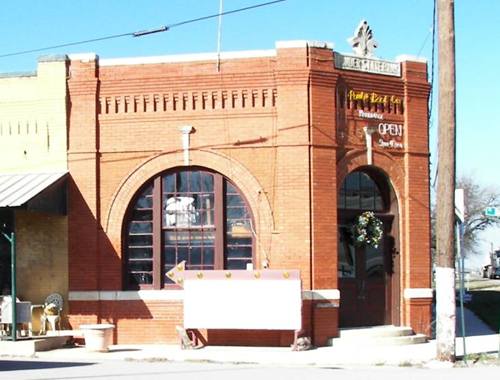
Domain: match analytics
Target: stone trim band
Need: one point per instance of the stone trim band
(410, 293)
(174, 295)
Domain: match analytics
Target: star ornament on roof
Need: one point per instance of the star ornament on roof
(362, 42)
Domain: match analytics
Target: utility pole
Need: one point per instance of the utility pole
(445, 217)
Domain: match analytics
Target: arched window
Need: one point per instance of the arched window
(193, 215)
(360, 192)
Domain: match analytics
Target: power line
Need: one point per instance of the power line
(142, 32)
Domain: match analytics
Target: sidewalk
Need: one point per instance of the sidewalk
(418, 354)
(479, 339)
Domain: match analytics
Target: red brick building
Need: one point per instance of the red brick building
(266, 162)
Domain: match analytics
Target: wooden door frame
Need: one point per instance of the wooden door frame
(391, 261)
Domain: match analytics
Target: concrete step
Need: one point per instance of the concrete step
(377, 336)
(375, 331)
(28, 347)
(69, 333)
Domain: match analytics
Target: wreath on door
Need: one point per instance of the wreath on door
(367, 230)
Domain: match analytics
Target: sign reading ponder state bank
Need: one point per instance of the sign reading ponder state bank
(367, 65)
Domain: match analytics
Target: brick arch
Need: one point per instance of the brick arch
(382, 161)
(233, 170)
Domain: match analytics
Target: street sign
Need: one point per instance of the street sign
(493, 212)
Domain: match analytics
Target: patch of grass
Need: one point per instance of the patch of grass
(478, 360)
(486, 305)
(405, 364)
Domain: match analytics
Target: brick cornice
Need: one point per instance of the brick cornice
(417, 89)
(111, 86)
(83, 87)
(324, 78)
(292, 77)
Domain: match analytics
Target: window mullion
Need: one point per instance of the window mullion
(219, 221)
(157, 232)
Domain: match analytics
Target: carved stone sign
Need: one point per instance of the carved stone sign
(367, 65)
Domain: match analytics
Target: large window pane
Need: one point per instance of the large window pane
(142, 215)
(367, 201)
(140, 240)
(195, 182)
(208, 256)
(207, 218)
(170, 255)
(207, 181)
(141, 265)
(140, 253)
(189, 225)
(195, 256)
(239, 252)
(234, 200)
(140, 278)
(236, 212)
(169, 183)
(145, 202)
(237, 264)
(182, 254)
(366, 183)
(140, 227)
(183, 182)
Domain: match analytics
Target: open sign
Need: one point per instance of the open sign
(390, 129)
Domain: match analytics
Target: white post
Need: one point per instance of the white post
(186, 130)
(368, 134)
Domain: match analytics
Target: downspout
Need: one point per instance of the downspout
(185, 131)
(311, 248)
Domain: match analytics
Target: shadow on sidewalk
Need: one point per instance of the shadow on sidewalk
(20, 365)
(474, 326)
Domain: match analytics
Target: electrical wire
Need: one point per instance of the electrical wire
(142, 32)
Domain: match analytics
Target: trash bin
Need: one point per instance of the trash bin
(98, 337)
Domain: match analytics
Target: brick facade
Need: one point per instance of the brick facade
(272, 122)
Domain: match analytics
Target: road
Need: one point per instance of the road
(46, 370)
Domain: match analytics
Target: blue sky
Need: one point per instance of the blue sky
(400, 27)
